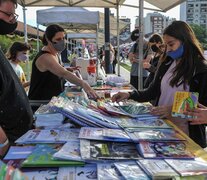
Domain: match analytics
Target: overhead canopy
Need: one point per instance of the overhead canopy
(161, 5)
(81, 36)
(165, 5)
(89, 37)
(113, 24)
(77, 19)
(78, 3)
(69, 18)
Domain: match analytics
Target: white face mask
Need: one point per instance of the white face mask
(23, 57)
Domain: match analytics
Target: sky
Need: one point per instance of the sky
(128, 12)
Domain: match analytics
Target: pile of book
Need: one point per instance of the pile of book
(103, 153)
(115, 141)
(101, 114)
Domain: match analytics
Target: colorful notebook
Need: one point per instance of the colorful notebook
(105, 150)
(163, 150)
(150, 134)
(42, 157)
(182, 101)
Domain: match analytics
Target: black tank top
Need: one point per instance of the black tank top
(44, 85)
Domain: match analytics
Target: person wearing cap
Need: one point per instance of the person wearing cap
(16, 116)
(133, 57)
(17, 53)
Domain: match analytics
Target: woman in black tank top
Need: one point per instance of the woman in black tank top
(47, 72)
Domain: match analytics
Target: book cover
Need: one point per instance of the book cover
(91, 133)
(66, 173)
(89, 171)
(108, 171)
(18, 175)
(146, 123)
(42, 157)
(169, 149)
(188, 167)
(182, 101)
(106, 121)
(17, 154)
(41, 173)
(146, 134)
(105, 150)
(104, 134)
(3, 169)
(134, 109)
(77, 119)
(131, 170)
(48, 120)
(116, 134)
(48, 136)
(110, 109)
(8, 172)
(147, 116)
(81, 115)
(69, 151)
(157, 168)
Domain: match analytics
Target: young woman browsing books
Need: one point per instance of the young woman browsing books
(183, 68)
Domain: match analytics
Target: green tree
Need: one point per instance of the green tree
(7, 40)
(201, 34)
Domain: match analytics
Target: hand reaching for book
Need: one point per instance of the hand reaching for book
(91, 93)
(120, 96)
(199, 115)
(162, 111)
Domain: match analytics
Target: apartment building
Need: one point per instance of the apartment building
(194, 12)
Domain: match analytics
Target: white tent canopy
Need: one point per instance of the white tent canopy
(77, 19)
(160, 5)
(90, 37)
(81, 36)
(69, 18)
(164, 5)
(77, 3)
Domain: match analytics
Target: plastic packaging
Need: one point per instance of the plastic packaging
(91, 69)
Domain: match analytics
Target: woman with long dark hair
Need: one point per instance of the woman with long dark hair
(183, 68)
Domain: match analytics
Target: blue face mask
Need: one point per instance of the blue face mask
(178, 53)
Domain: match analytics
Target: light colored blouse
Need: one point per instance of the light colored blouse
(167, 96)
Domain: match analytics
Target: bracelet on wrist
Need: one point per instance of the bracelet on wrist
(4, 144)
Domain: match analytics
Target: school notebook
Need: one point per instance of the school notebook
(183, 101)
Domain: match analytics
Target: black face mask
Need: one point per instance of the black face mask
(7, 28)
(154, 48)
